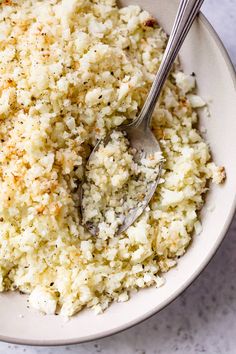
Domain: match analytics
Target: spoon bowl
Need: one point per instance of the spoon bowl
(144, 143)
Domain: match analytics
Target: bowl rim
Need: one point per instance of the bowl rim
(195, 275)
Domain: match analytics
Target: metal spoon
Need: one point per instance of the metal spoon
(139, 132)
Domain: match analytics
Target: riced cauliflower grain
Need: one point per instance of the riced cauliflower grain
(43, 300)
(70, 71)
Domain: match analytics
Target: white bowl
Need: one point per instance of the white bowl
(203, 54)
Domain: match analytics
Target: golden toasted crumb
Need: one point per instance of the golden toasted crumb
(150, 22)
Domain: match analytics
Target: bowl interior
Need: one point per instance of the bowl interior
(203, 54)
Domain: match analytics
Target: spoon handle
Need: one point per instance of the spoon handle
(187, 12)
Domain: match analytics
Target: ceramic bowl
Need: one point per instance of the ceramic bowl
(204, 54)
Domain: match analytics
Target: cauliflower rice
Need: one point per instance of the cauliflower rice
(69, 72)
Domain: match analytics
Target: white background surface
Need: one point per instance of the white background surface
(203, 319)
